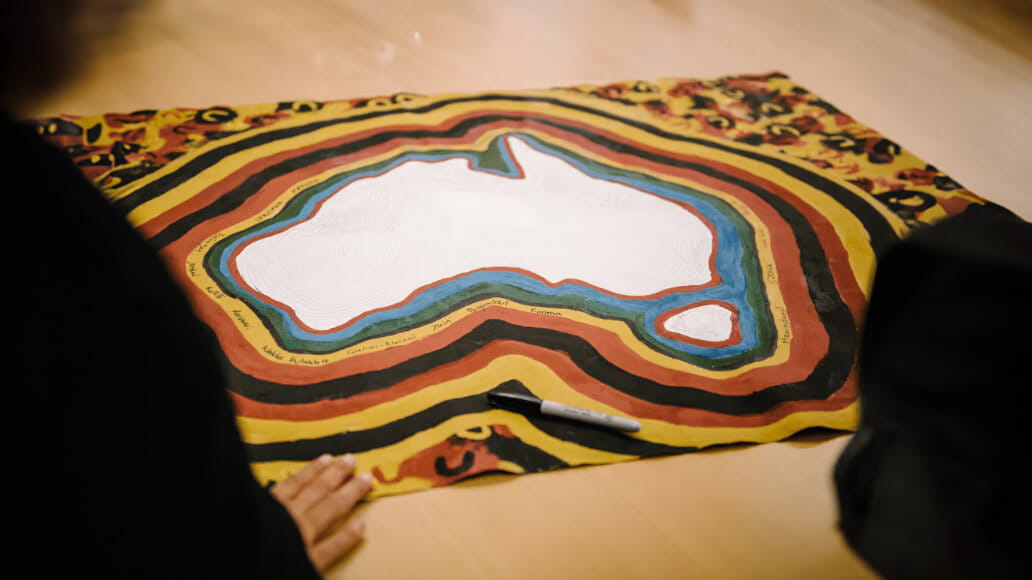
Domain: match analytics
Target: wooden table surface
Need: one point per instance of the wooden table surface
(948, 79)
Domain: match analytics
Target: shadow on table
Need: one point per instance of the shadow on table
(806, 438)
(1005, 23)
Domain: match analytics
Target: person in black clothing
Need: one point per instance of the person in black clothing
(933, 484)
(123, 456)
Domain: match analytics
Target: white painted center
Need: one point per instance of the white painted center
(376, 240)
(709, 322)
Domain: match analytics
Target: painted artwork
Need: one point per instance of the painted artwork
(694, 255)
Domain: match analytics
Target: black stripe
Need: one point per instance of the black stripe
(158, 187)
(826, 378)
(396, 431)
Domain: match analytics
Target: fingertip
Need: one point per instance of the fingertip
(365, 481)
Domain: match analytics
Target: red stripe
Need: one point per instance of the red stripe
(809, 342)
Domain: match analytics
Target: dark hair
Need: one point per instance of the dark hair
(42, 43)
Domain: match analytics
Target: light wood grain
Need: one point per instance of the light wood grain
(748, 512)
(948, 79)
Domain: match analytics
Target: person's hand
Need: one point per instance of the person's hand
(319, 497)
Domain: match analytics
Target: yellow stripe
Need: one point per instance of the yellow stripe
(388, 459)
(533, 373)
(861, 257)
(544, 383)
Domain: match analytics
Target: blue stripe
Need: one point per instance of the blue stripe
(728, 259)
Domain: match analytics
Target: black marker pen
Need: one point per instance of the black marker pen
(532, 404)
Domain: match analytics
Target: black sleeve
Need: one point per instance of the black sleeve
(933, 483)
(124, 459)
